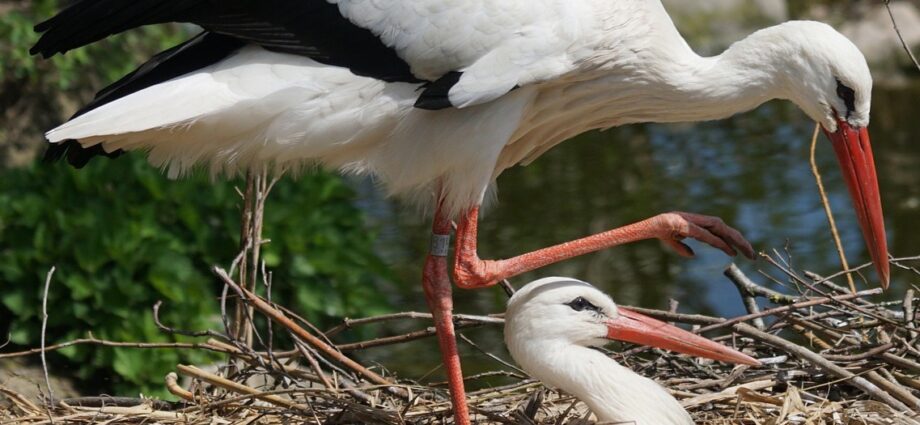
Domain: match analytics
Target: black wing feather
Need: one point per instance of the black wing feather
(312, 28)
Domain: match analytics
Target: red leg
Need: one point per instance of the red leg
(472, 272)
(437, 287)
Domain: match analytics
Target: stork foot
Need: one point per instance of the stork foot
(677, 226)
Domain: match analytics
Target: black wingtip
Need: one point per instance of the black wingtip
(77, 155)
(436, 94)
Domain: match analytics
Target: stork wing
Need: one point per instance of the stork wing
(470, 52)
(312, 28)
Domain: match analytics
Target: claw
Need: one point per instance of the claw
(709, 230)
(681, 248)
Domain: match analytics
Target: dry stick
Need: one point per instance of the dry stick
(44, 327)
(300, 332)
(101, 342)
(260, 194)
(901, 362)
(812, 286)
(693, 319)
(895, 261)
(20, 400)
(816, 359)
(744, 283)
(388, 340)
(827, 207)
(237, 387)
(238, 324)
(908, 380)
(457, 318)
(169, 330)
(820, 280)
(861, 356)
(490, 355)
(894, 389)
(894, 23)
(285, 368)
(172, 385)
(908, 306)
(807, 330)
(807, 303)
(741, 282)
(316, 368)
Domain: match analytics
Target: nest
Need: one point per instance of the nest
(831, 356)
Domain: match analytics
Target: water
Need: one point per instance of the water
(751, 170)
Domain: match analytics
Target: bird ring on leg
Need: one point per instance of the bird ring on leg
(439, 245)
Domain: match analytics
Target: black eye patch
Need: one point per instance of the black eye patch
(848, 96)
(581, 304)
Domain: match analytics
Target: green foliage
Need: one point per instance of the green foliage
(110, 58)
(122, 236)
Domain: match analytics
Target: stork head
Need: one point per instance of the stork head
(826, 75)
(558, 309)
(820, 70)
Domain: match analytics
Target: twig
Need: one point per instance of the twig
(300, 332)
(827, 207)
(861, 356)
(802, 304)
(694, 319)
(813, 287)
(172, 385)
(316, 368)
(745, 289)
(109, 401)
(734, 274)
(894, 389)
(101, 342)
(490, 355)
(457, 318)
(894, 23)
(816, 359)
(908, 307)
(44, 327)
(167, 329)
(21, 400)
(237, 387)
(238, 324)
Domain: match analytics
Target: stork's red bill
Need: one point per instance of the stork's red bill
(854, 152)
(630, 326)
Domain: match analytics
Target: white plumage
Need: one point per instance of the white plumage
(551, 325)
(551, 342)
(259, 108)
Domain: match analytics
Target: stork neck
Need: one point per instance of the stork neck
(709, 88)
(613, 392)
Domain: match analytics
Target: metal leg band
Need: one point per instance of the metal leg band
(439, 245)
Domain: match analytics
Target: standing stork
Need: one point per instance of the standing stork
(435, 98)
(550, 326)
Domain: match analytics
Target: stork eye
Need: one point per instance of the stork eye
(581, 304)
(848, 96)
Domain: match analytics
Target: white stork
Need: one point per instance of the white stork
(435, 98)
(550, 326)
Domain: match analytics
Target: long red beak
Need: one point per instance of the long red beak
(855, 156)
(640, 329)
